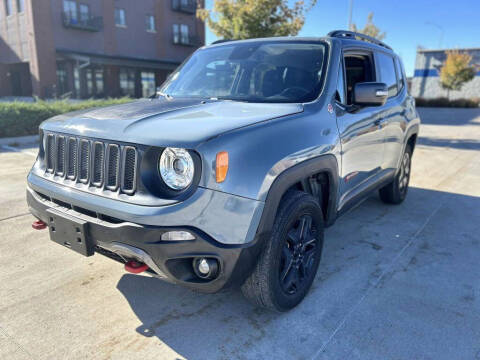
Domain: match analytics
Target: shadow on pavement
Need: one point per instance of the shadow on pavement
(358, 248)
(450, 143)
(449, 116)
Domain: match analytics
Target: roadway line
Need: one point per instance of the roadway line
(14, 216)
(12, 148)
(387, 270)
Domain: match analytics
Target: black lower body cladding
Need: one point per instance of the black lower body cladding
(173, 258)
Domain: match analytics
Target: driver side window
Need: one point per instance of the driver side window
(358, 68)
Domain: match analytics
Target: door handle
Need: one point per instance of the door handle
(379, 122)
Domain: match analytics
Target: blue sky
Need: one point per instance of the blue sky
(408, 23)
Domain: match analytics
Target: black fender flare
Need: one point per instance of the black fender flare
(412, 130)
(324, 163)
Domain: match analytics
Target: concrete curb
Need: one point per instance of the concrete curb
(20, 140)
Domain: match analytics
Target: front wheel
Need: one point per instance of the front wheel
(396, 191)
(289, 261)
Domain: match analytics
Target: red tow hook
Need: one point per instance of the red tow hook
(39, 225)
(135, 267)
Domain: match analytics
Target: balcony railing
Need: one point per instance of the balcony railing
(186, 6)
(187, 40)
(90, 23)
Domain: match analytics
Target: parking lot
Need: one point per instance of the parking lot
(395, 282)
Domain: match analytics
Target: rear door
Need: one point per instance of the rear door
(362, 140)
(392, 114)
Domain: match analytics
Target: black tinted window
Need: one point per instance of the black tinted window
(358, 69)
(386, 67)
(401, 75)
(340, 95)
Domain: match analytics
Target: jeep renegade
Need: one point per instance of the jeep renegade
(231, 173)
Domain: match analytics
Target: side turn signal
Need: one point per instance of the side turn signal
(221, 166)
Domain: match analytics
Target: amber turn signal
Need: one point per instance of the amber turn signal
(221, 166)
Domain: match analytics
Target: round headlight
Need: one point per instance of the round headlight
(176, 168)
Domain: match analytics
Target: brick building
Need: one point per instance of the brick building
(93, 48)
(426, 78)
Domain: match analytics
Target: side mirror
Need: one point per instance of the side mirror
(370, 94)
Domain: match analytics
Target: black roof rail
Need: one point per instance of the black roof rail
(357, 36)
(221, 41)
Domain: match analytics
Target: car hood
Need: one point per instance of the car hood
(164, 122)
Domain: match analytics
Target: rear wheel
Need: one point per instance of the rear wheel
(288, 264)
(396, 191)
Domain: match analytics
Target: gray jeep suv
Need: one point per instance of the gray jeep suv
(231, 173)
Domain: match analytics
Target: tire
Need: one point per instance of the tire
(396, 191)
(289, 261)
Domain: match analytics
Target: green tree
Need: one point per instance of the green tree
(370, 29)
(246, 19)
(456, 71)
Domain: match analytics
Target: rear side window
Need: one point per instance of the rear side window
(386, 67)
(400, 74)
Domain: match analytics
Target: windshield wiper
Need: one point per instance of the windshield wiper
(166, 96)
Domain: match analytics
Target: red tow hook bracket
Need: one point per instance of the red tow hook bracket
(135, 267)
(39, 225)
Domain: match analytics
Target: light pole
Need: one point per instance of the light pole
(350, 8)
(442, 32)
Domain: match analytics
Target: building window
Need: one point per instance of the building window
(148, 84)
(76, 81)
(127, 82)
(176, 34)
(8, 7)
(188, 6)
(21, 5)
(62, 80)
(184, 38)
(99, 81)
(84, 12)
(150, 23)
(89, 80)
(70, 10)
(181, 34)
(120, 18)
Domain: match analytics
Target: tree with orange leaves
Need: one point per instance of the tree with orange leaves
(246, 19)
(456, 71)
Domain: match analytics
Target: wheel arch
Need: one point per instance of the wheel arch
(324, 169)
(411, 136)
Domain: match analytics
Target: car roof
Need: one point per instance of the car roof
(347, 38)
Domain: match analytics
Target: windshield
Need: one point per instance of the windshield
(254, 71)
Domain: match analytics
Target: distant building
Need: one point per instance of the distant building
(426, 78)
(94, 48)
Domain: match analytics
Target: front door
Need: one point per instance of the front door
(361, 135)
(16, 83)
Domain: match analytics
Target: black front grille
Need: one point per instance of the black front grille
(50, 153)
(113, 165)
(98, 163)
(84, 168)
(60, 168)
(72, 158)
(129, 167)
(93, 163)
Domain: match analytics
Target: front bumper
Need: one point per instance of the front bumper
(172, 259)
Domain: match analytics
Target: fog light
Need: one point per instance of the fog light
(205, 268)
(177, 236)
